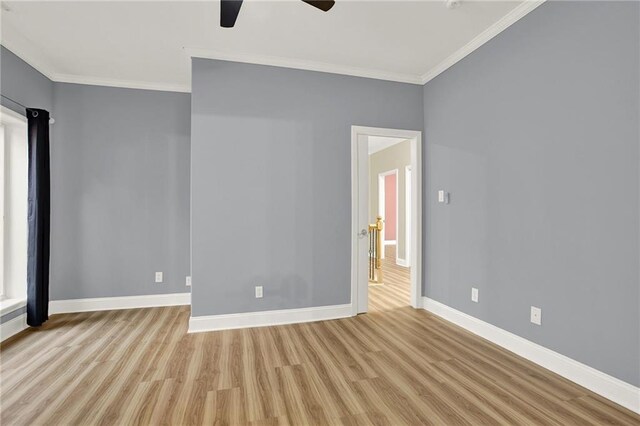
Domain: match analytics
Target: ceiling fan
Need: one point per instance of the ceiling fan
(229, 9)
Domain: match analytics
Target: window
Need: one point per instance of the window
(13, 208)
(2, 185)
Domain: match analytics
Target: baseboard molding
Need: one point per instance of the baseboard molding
(114, 303)
(267, 318)
(601, 383)
(13, 327)
(402, 262)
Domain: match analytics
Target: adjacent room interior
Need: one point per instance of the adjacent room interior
(390, 215)
(320, 212)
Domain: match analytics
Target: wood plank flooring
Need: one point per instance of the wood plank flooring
(396, 289)
(394, 367)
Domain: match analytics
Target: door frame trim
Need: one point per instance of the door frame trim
(407, 211)
(416, 209)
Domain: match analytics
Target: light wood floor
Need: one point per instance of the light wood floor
(395, 291)
(395, 367)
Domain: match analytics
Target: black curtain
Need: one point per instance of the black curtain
(39, 208)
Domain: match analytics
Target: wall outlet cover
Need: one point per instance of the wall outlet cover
(258, 291)
(474, 294)
(159, 277)
(536, 315)
(188, 281)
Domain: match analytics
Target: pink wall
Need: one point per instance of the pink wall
(391, 219)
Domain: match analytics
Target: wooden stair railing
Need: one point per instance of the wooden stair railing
(375, 251)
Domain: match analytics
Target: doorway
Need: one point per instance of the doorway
(411, 206)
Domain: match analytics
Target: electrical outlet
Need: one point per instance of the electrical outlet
(158, 277)
(536, 315)
(474, 294)
(258, 291)
(188, 281)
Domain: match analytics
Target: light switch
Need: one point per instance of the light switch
(443, 197)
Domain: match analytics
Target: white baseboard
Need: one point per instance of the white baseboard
(601, 383)
(114, 303)
(390, 242)
(267, 318)
(13, 326)
(402, 262)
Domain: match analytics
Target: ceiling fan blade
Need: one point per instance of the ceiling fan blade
(229, 10)
(323, 5)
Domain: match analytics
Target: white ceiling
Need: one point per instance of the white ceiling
(378, 143)
(147, 44)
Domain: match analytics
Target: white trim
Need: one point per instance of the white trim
(34, 61)
(517, 13)
(302, 64)
(402, 262)
(127, 84)
(390, 243)
(415, 137)
(505, 22)
(407, 219)
(3, 239)
(268, 318)
(382, 208)
(13, 327)
(10, 305)
(18, 119)
(603, 384)
(15, 209)
(502, 24)
(46, 69)
(114, 303)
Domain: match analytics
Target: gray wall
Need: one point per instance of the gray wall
(120, 184)
(536, 136)
(271, 183)
(120, 191)
(22, 83)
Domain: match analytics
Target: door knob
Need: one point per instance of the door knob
(363, 233)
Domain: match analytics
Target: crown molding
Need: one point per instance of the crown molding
(299, 64)
(43, 67)
(505, 22)
(495, 29)
(126, 84)
(517, 13)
